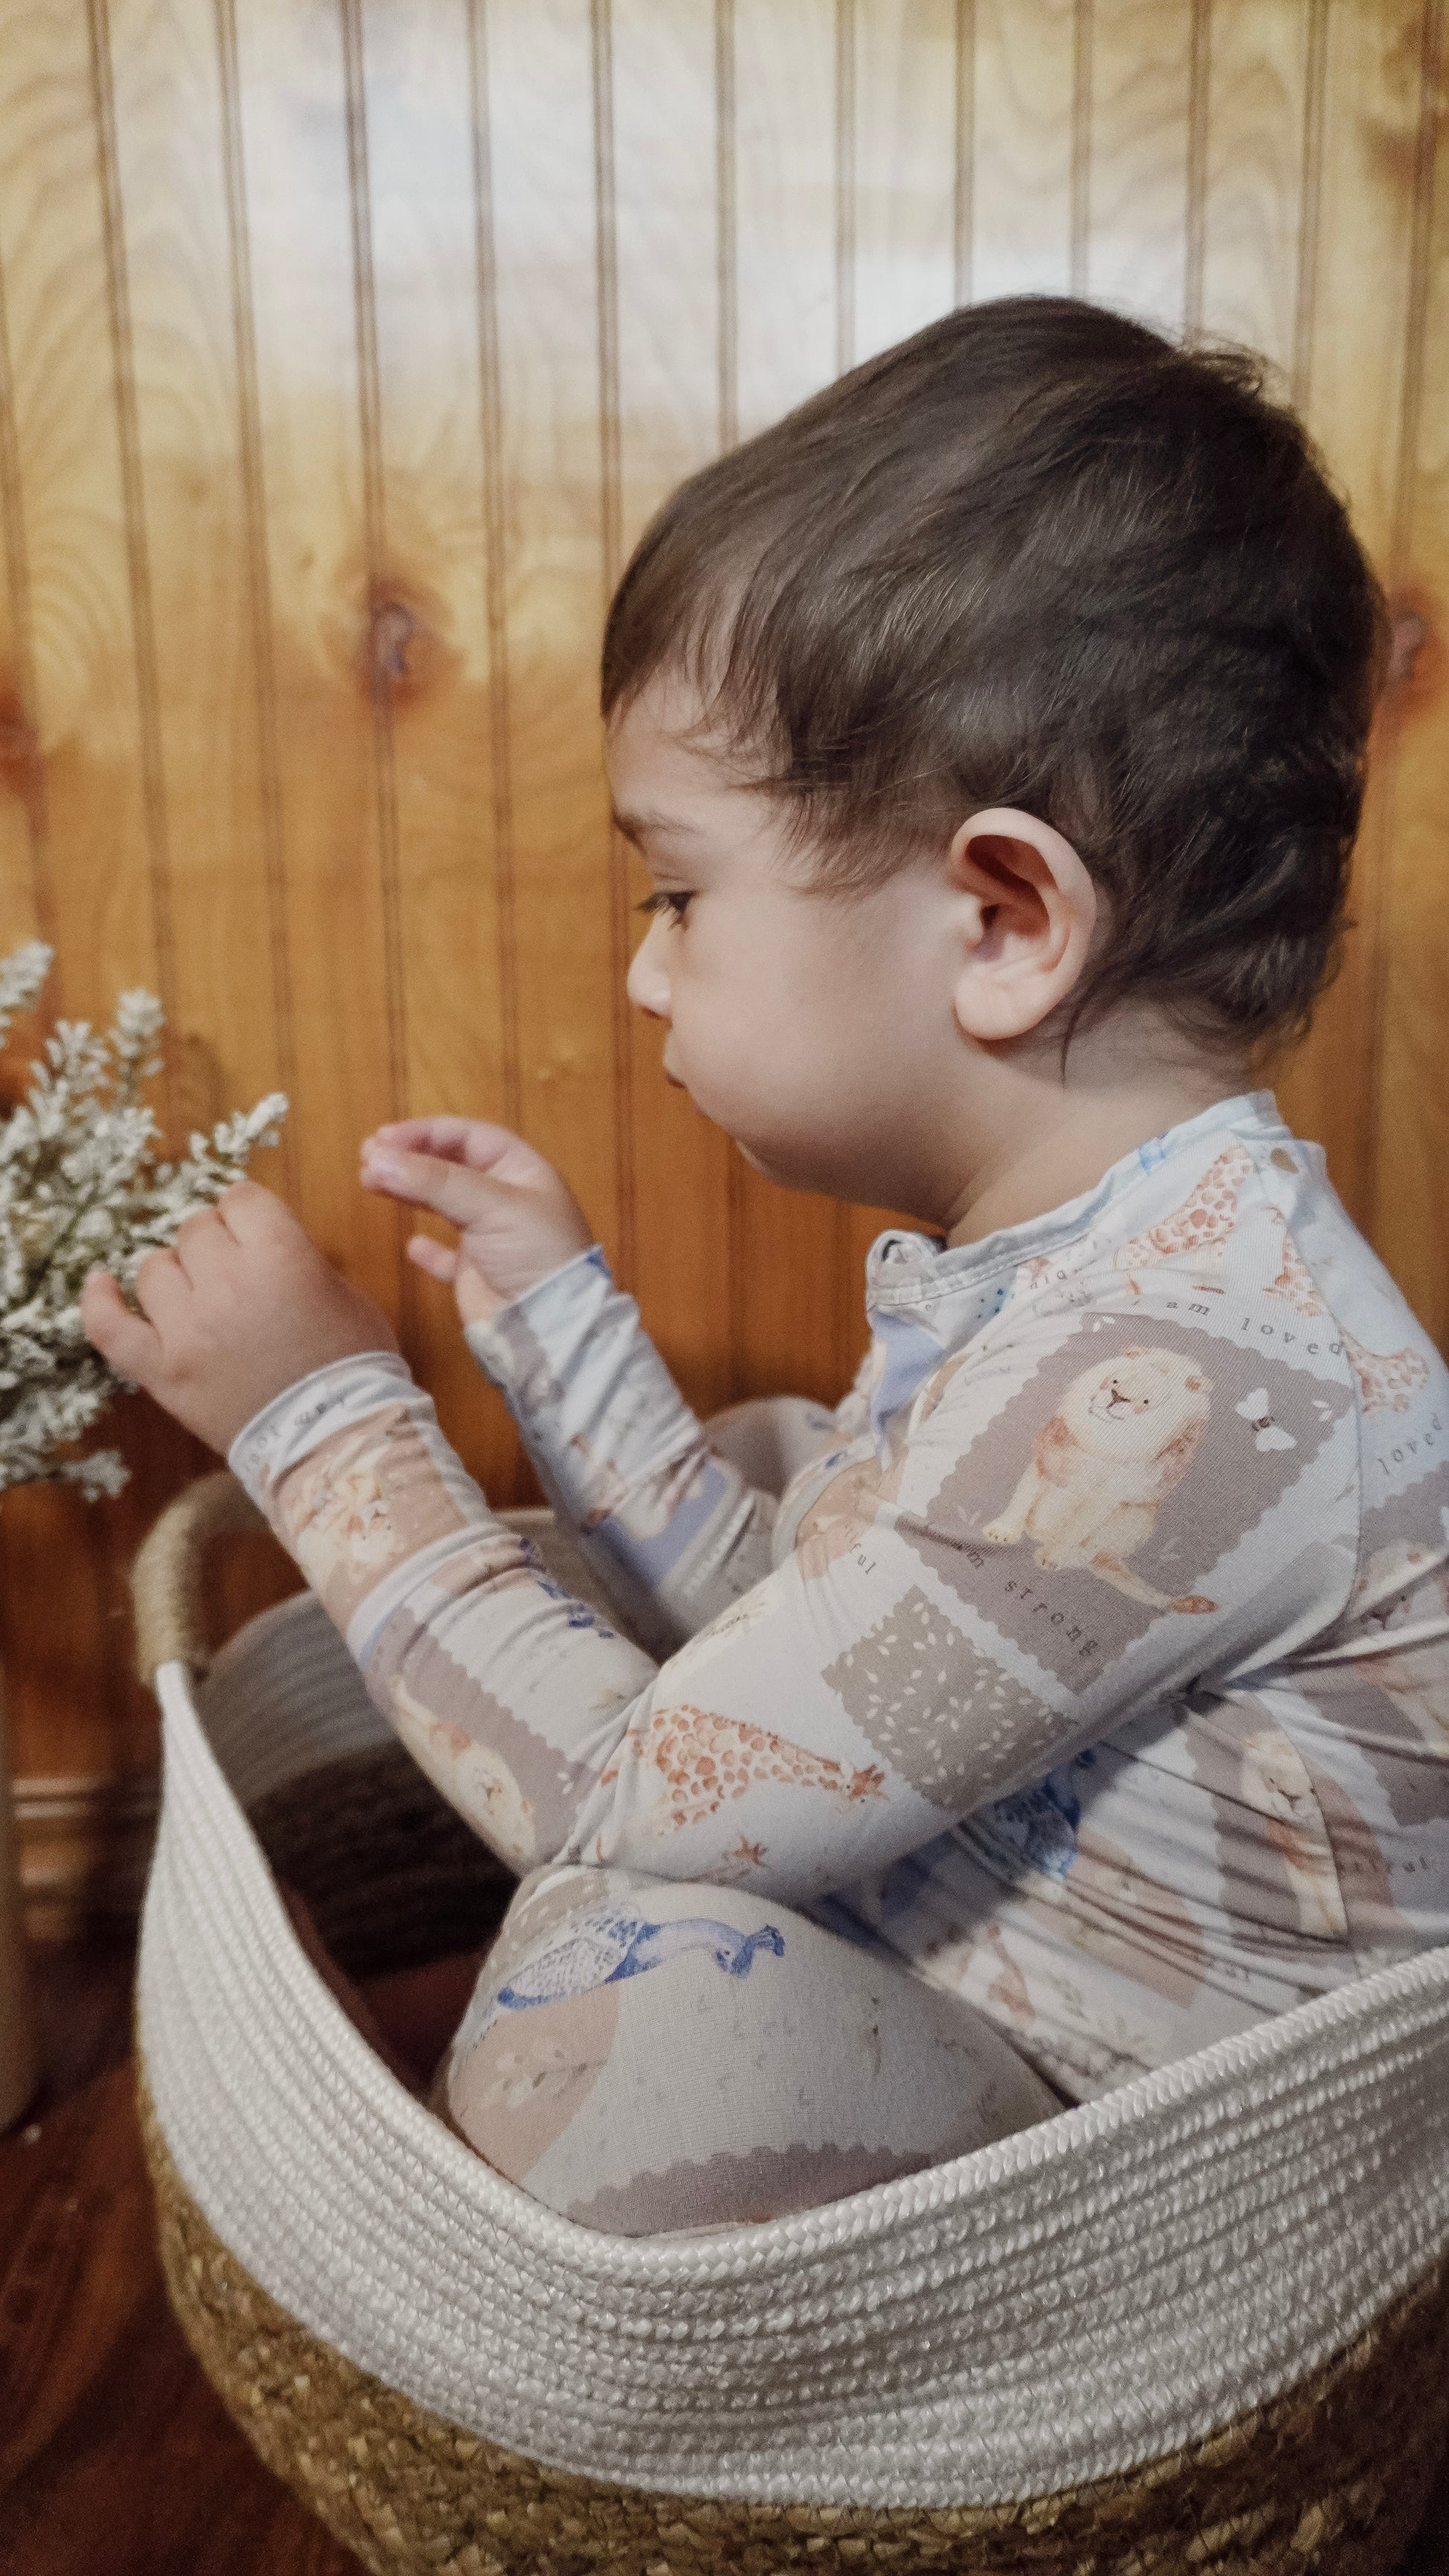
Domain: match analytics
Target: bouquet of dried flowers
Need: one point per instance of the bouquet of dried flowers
(81, 1185)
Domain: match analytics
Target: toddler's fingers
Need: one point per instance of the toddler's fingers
(127, 1341)
(474, 1141)
(432, 1181)
(251, 1214)
(197, 1240)
(435, 1258)
(162, 1287)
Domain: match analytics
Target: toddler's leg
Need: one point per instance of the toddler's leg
(644, 2055)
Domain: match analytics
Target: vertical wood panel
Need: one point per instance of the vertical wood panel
(1305, 282)
(1357, 333)
(1140, 125)
(383, 650)
(787, 104)
(76, 537)
(139, 586)
(1407, 1205)
(25, 899)
(185, 405)
(70, 515)
(670, 229)
(1022, 194)
(905, 168)
(314, 472)
(344, 351)
(785, 134)
(432, 672)
(1254, 178)
(541, 122)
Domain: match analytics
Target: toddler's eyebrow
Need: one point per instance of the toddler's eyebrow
(635, 825)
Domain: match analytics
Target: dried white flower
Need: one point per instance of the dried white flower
(80, 1185)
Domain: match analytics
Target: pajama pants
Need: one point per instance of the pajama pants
(648, 2056)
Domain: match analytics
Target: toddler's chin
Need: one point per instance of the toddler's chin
(788, 1171)
(792, 1162)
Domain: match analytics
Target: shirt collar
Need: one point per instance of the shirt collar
(907, 1271)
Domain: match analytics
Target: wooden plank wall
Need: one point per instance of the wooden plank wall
(344, 350)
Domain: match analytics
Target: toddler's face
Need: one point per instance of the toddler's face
(810, 1026)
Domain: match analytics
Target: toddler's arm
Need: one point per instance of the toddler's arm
(675, 1518)
(955, 1618)
(554, 1735)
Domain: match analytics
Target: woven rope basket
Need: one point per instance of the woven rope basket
(1200, 2324)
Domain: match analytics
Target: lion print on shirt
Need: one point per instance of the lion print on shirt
(1274, 1782)
(362, 1503)
(1126, 1434)
(472, 1775)
(843, 1511)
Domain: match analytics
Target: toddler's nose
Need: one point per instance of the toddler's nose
(648, 981)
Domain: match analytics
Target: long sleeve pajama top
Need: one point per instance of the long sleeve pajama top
(1096, 1660)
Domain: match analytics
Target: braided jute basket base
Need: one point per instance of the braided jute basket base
(1330, 2479)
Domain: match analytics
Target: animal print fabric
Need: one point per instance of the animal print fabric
(1090, 1660)
(650, 2057)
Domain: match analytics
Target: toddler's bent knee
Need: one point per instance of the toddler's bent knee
(644, 2056)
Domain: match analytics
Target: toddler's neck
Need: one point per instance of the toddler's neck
(1049, 1136)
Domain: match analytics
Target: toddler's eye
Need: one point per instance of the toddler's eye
(677, 905)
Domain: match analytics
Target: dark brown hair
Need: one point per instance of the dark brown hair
(1038, 556)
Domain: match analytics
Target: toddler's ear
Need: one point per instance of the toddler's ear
(1029, 910)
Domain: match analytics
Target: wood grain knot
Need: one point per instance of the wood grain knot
(1407, 637)
(1416, 662)
(391, 631)
(20, 765)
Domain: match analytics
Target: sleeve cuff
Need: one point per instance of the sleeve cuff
(530, 1346)
(308, 1412)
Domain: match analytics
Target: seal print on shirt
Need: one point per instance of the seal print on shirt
(517, 1791)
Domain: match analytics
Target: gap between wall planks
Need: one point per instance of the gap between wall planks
(345, 351)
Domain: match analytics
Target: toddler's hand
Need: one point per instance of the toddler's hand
(242, 1308)
(516, 1219)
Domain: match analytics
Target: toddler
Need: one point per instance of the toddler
(1076, 1693)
